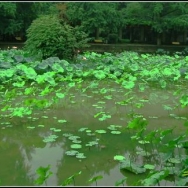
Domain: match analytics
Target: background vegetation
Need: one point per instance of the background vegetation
(48, 37)
(143, 22)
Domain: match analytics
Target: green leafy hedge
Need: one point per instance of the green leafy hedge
(47, 37)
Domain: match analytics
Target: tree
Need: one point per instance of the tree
(95, 17)
(160, 16)
(16, 17)
(49, 36)
(7, 21)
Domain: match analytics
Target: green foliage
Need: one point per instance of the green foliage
(17, 16)
(120, 182)
(95, 179)
(44, 174)
(154, 178)
(137, 69)
(48, 37)
(112, 38)
(71, 179)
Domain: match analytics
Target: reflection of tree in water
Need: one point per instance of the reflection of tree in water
(15, 147)
(13, 171)
(98, 161)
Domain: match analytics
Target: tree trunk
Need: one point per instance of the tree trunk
(185, 37)
(164, 37)
(142, 34)
(131, 34)
(120, 33)
(158, 39)
(97, 32)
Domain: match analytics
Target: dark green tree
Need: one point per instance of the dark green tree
(95, 17)
(49, 36)
(8, 23)
(160, 16)
(17, 17)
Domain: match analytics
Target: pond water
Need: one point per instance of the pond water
(23, 148)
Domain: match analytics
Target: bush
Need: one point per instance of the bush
(47, 37)
(161, 51)
(112, 38)
(185, 51)
(122, 41)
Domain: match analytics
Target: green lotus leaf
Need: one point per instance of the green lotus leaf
(62, 121)
(82, 129)
(60, 95)
(71, 152)
(116, 132)
(174, 160)
(80, 156)
(67, 134)
(100, 131)
(119, 157)
(73, 137)
(149, 166)
(76, 146)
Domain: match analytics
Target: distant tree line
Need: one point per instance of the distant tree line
(109, 22)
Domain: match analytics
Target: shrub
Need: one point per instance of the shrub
(112, 38)
(124, 41)
(47, 37)
(161, 51)
(185, 51)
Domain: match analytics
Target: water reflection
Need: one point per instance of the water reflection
(23, 150)
(43, 157)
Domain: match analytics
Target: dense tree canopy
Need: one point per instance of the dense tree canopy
(16, 17)
(101, 19)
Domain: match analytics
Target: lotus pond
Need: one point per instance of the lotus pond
(106, 119)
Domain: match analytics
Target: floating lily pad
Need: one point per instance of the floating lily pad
(82, 129)
(30, 127)
(62, 121)
(73, 137)
(91, 134)
(55, 130)
(116, 132)
(76, 146)
(40, 125)
(67, 134)
(100, 131)
(80, 156)
(92, 143)
(88, 131)
(9, 125)
(119, 157)
(71, 152)
(76, 141)
(112, 127)
(50, 138)
(108, 97)
(104, 117)
(60, 95)
(101, 102)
